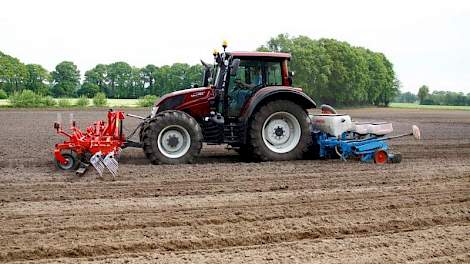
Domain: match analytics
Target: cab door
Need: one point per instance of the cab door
(252, 75)
(249, 78)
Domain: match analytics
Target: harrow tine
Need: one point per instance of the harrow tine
(97, 162)
(112, 164)
(82, 169)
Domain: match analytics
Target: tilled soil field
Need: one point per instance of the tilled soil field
(223, 210)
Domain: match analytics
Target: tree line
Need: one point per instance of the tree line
(116, 80)
(425, 97)
(328, 70)
(334, 72)
(120, 80)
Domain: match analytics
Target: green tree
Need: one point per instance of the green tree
(38, 79)
(406, 97)
(194, 74)
(423, 92)
(66, 79)
(88, 89)
(98, 77)
(149, 74)
(119, 76)
(137, 83)
(178, 78)
(337, 73)
(281, 43)
(390, 84)
(446, 98)
(162, 80)
(3, 94)
(13, 74)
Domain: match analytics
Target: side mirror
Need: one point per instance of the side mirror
(234, 67)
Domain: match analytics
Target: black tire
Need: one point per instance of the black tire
(73, 161)
(396, 158)
(155, 152)
(313, 151)
(245, 152)
(259, 147)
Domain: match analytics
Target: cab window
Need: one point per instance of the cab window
(274, 74)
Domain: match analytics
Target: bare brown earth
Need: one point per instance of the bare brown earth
(223, 210)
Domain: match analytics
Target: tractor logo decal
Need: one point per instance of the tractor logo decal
(197, 94)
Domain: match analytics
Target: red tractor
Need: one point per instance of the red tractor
(246, 101)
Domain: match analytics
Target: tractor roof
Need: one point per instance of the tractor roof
(260, 54)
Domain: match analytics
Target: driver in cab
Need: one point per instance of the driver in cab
(243, 90)
(257, 80)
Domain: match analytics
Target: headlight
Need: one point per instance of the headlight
(154, 111)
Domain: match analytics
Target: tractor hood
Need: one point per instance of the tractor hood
(180, 99)
(183, 92)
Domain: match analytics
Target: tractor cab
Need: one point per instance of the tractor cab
(238, 76)
(255, 71)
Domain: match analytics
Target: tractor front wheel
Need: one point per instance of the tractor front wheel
(280, 131)
(172, 137)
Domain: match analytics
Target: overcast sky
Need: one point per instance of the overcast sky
(427, 41)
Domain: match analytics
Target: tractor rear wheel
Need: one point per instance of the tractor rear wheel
(172, 137)
(280, 131)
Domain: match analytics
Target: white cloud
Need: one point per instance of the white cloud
(427, 41)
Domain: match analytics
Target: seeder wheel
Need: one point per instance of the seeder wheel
(380, 157)
(395, 158)
(72, 161)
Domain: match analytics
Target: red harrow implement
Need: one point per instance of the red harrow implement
(99, 145)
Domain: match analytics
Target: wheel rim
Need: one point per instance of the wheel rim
(281, 132)
(380, 157)
(174, 141)
(68, 165)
